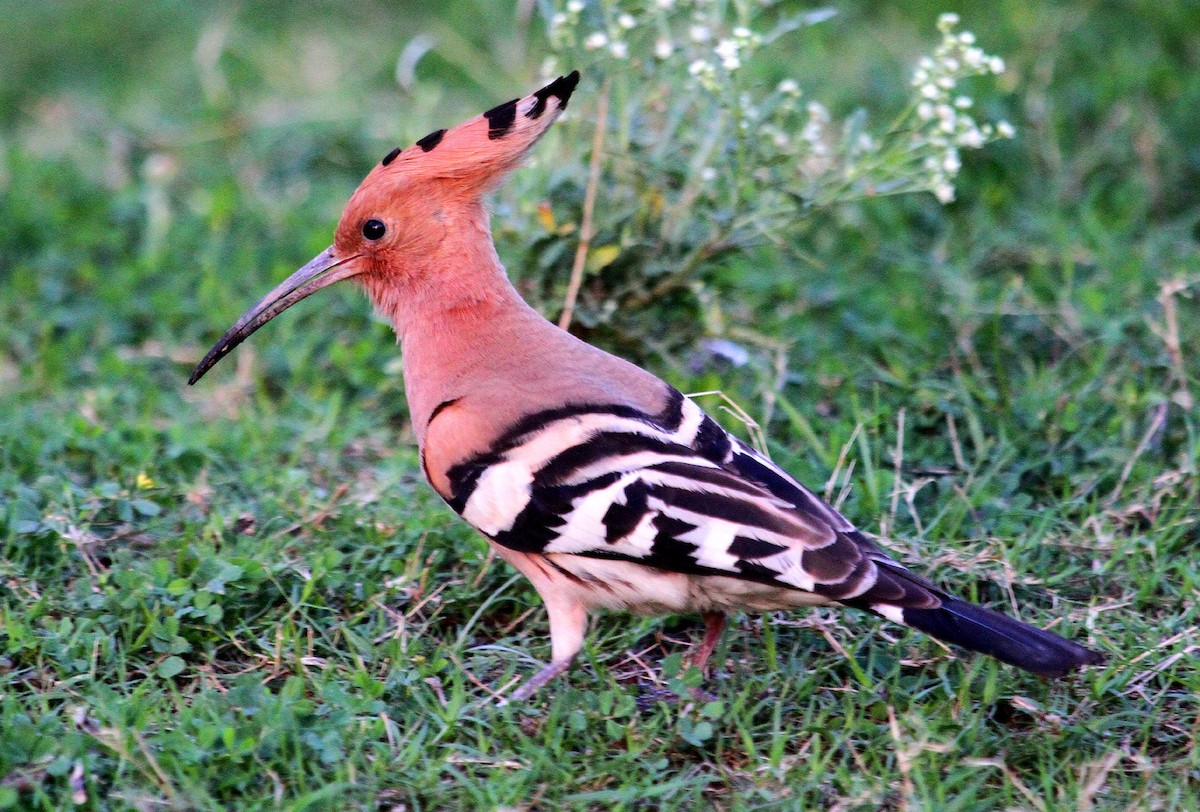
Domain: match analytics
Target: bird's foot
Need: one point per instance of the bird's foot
(531, 686)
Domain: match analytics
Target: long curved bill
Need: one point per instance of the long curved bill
(321, 271)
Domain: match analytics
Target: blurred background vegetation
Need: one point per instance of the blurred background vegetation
(239, 595)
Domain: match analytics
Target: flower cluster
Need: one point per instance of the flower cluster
(944, 120)
(706, 44)
(713, 162)
(698, 33)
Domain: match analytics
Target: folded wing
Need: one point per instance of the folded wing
(676, 492)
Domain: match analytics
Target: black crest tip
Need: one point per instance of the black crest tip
(561, 89)
(391, 156)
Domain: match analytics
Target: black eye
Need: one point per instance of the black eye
(374, 229)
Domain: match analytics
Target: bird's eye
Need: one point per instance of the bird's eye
(374, 229)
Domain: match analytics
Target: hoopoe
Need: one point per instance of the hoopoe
(603, 485)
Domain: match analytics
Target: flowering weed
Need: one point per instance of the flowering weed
(700, 160)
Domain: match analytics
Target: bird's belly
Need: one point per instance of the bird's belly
(601, 583)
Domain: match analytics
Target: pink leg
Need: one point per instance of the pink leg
(568, 622)
(714, 624)
(568, 619)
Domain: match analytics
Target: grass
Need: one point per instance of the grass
(242, 595)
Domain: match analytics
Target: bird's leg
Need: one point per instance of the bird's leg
(568, 623)
(714, 624)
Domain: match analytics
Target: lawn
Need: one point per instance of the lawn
(242, 594)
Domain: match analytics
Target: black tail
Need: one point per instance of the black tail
(1011, 641)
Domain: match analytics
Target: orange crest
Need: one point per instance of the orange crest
(478, 153)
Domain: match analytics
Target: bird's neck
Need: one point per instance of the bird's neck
(456, 316)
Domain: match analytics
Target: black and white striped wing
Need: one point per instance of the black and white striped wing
(672, 491)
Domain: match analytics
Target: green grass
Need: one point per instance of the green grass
(241, 595)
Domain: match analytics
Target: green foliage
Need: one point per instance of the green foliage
(242, 595)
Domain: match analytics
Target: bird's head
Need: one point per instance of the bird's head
(409, 203)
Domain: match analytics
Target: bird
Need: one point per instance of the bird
(603, 485)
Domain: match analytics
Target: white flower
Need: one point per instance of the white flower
(966, 38)
(930, 91)
(626, 21)
(619, 49)
(943, 191)
(1005, 130)
(814, 130)
(951, 162)
(789, 87)
(947, 21)
(698, 67)
(700, 33)
(663, 48)
(742, 32)
(558, 20)
(945, 82)
(708, 174)
(971, 138)
(924, 111)
(996, 65)
(575, 6)
(974, 57)
(595, 41)
(726, 48)
(665, 4)
(963, 103)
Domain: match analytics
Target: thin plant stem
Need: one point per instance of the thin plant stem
(589, 206)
